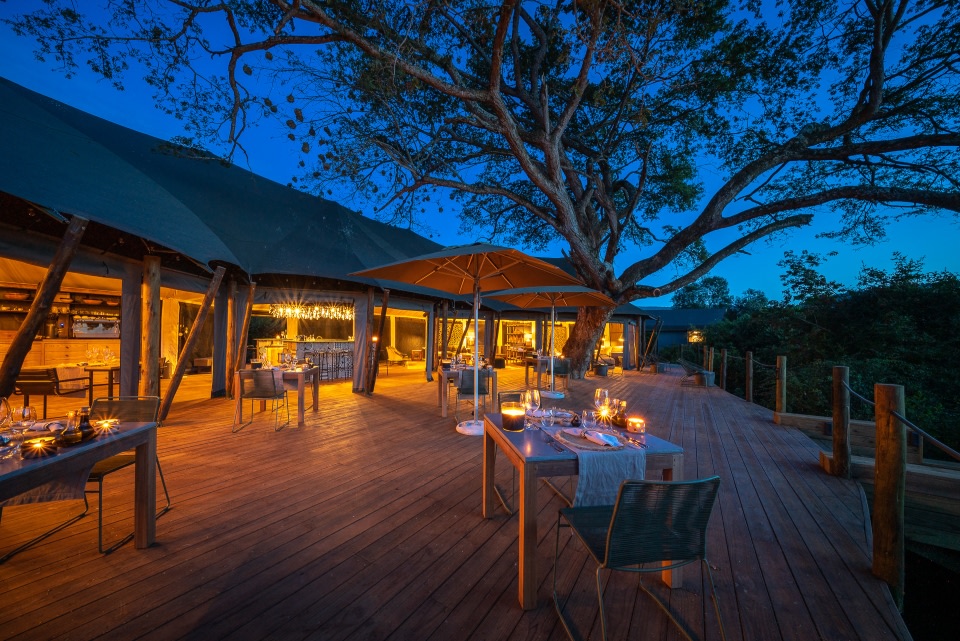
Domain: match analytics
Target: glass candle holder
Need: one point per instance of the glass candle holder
(513, 415)
(636, 424)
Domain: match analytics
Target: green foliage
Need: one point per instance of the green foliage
(708, 292)
(899, 327)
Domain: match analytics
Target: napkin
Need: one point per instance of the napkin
(595, 437)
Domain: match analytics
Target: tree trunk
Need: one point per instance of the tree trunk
(586, 332)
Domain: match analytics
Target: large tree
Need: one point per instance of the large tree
(590, 121)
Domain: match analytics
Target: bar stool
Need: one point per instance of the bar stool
(345, 364)
(325, 360)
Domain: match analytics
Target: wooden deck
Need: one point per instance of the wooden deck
(365, 524)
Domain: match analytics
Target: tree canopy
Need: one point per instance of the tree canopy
(686, 129)
(708, 292)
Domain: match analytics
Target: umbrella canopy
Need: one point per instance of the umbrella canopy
(552, 297)
(462, 269)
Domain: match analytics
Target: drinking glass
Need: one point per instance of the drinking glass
(28, 416)
(546, 417)
(601, 397)
(531, 403)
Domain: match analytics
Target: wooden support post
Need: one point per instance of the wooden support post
(781, 398)
(42, 303)
(150, 327)
(191, 342)
(841, 422)
(723, 368)
(376, 352)
(241, 358)
(710, 360)
(231, 338)
(706, 364)
(445, 307)
(889, 485)
(748, 383)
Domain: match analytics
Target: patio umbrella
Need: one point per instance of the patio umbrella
(562, 296)
(462, 269)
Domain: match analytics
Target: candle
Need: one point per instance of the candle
(636, 424)
(512, 414)
(38, 448)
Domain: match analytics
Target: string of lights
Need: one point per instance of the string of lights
(336, 310)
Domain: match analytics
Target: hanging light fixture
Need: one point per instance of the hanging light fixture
(334, 310)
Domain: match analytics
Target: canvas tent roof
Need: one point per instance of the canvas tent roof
(78, 164)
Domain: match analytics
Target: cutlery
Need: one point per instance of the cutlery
(552, 442)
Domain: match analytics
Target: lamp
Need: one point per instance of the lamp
(335, 310)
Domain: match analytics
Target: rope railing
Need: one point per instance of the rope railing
(847, 387)
(943, 447)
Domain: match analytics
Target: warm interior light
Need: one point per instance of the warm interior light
(336, 310)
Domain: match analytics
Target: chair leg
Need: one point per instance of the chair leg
(567, 624)
(239, 425)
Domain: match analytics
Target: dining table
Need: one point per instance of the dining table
(540, 365)
(19, 476)
(452, 375)
(112, 371)
(297, 379)
(536, 457)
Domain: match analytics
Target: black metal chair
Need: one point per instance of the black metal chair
(561, 371)
(261, 385)
(465, 388)
(653, 522)
(142, 409)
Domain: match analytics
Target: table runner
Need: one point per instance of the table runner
(602, 472)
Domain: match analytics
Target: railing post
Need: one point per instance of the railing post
(748, 384)
(710, 367)
(889, 487)
(706, 366)
(723, 368)
(841, 422)
(781, 400)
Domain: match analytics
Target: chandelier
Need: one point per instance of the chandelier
(335, 310)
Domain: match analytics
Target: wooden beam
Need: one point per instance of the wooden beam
(241, 358)
(42, 303)
(375, 369)
(150, 327)
(191, 342)
(231, 338)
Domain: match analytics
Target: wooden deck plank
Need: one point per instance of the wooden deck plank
(365, 523)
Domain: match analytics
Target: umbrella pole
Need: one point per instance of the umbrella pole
(474, 427)
(553, 322)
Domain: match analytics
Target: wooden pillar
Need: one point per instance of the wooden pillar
(444, 337)
(375, 358)
(710, 360)
(42, 303)
(191, 342)
(890, 476)
(841, 422)
(748, 383)
(131, 313)
(781, 399)
(241, 357)
(150, 328)
(230, 354)
(723, 368)
(429, 353)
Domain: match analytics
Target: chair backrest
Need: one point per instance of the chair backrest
(660, 521)
(259, 383)
(37, 381)
(136, 409)
(561, 367)
(509, 397)
(466, 382)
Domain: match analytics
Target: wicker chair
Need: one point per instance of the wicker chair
(261, 385)
(143, 409)
(652, 522)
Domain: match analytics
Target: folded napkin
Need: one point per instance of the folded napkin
(594, 436)
(45, 427)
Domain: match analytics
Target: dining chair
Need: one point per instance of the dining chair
(561, 371)
(465, 388)
(654, 526)
(261, 385)
(140, 409)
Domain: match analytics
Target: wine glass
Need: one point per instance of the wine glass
(601, 397)
(531, 403)
(28, 416)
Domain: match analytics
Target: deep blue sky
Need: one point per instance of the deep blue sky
(932, 239)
